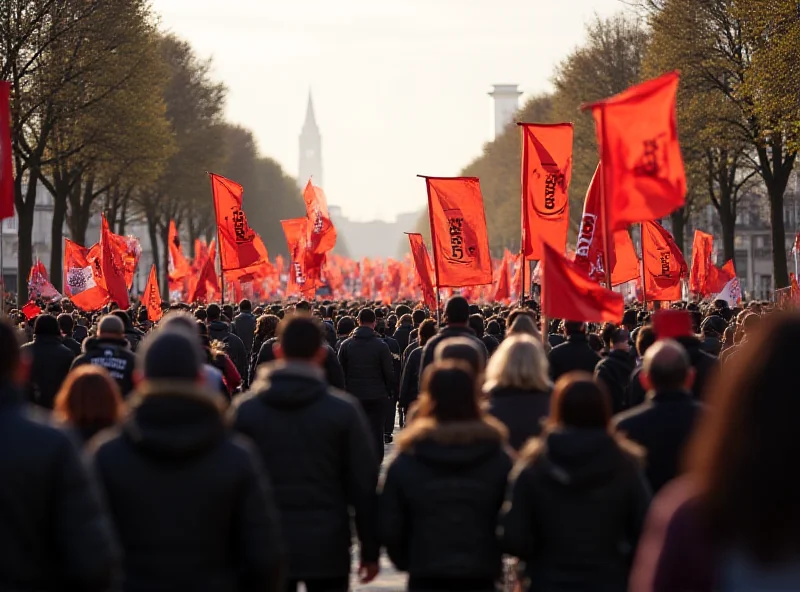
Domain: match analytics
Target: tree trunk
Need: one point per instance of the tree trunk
(57, 240)
(123, 215)
(24, 237)
(727, 218)
(152, 231)
(82, 211)
(679, 228)
(165, 261)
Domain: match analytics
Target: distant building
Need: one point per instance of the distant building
(310, 145)
(506, 104)
(373, 239)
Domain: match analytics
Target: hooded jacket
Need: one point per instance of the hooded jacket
(51, 361)
(578, 504)
(440, 499)
(447, 333)
(615, 372)
(367, 364)
(234, 347)
(244, 325)
(174, 468)
(114, 355)
(53, 534)
(333, 370)
(573, 354)
(316, 446)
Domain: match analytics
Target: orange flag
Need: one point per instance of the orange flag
(422, 264)
(295, 231)
(6, 170)
(503, 291)
(702, 246)
(591, 245)
(113, 265)
(152, 296)
(179, 267)
(458, 232)
(638, 137)
(321, 232)
(82, 283)
(569, 294)
(664, 265)
(239, 245)
(546, 172)
(199, 288)
(720, 276)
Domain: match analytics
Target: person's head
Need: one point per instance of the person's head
(111, 327)
(141, 315)
(449, 393)
(521, 363)
(124, 317)
(524, 325)
(644, 339)
(595, 342)
(245, 305)
(66, 323)
(518, 312)
(461, 349)
(13, 368)
(171, 353)
(426, 330)
(213, 312)
(266, 325)
(713, 326)
(574, 328)
(493, 328)
(418, 316)
(406, 320)
(666, 367)
(366, 318)
(89, 398)
(345, 326)
(456, 311)
(629, 319)
(401, 311)
(300, 338)
(620, 339)
(303, 307)
(743, 453)
(579, 402)
(476, 323)
(201, 314)
(45, 325)
(606, 332)
(750, 323)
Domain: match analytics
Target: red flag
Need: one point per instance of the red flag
(152, 296)
(591, 243)
(179, 267)
(546, 172)
(30, 310)
(207, 277)
(458, 232)
(321, 232)
(83, 281)
(569, 294)
(111, 261)
(39, 285)
(503, 291)
(638, 137)
(720, 276)
(6, 169)
(519, 262)
(702, 246)
(239, 245)
(422, 264)
(664, 265)
(295, 231)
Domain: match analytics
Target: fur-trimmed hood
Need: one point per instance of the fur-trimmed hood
(175, 419)
(454, 443)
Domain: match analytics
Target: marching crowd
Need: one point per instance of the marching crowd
(230, 448)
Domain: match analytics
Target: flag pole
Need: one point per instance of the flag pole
(3, 277)
(604, 198)
(219, 243)
(523, 214)
(641, 266)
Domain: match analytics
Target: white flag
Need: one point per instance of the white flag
(731, 293)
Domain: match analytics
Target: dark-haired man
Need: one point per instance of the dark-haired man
(616, 368)
(574, 354)
(67, 325)
(456, 318)
(369, 373)
(218, 330)
(50, 361)
(314, 441)
(110, 350)
(244, 325)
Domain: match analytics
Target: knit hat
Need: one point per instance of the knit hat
(170, 355)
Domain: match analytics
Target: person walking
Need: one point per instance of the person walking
(409, 382)
(456, 318)
(615, 369)
(441, 495)
(369, 374)
(89, 401)
(50, 361)
(316, 446)
(218, 330)
(244, 325)
(110, 350)
(578, 497)
(574, 354)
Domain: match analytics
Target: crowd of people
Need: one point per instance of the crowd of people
(229, 448)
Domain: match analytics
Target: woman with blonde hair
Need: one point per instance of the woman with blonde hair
(518, 386)
(89, 401)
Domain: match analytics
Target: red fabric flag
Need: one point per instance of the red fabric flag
(519, 262)
(31, 310)
(39, 285)
(295, 231)
(179, 267)
(239, 245)
(503, 291)
(207, 278)
(569, 294)
(458, 231)
(720, 276)
(664, 265)
(546, 172)
(321, 232)
(702, 246)
(113, 265)
(6, 169)
(152, 296)
(422, 265)
(591, 244)
(83, 281)
(638, 137)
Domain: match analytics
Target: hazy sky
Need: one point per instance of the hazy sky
(400, 86)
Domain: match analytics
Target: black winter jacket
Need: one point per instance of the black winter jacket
(112, 354)
(521, 411)
(317, 448)
(394, 349)
(72, 345)
(662, 426)
(573, 354)
(440, 499)
(333, 370)
(192, 505)
(578, 504)
(367, 364)
(244, 325)
(134, 337)
(615, 372)
(51, 361)
(234, 347)
(401, 335)
(53, 533)
(704, 365)
(447, 333)
(409, 382)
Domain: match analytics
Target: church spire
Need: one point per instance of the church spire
(311, 120)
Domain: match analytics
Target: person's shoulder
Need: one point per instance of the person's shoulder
(633, 416)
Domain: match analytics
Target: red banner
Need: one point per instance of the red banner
(296, 233)
(424, 270)
(112, 261)
(83, 281)
(664, 265)
(239, 245)
(151, 299)
(321, 232)
(546, 172)
(179, 267)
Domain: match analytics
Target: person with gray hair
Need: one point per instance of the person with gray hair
(111, 350)
(663, 423)
(191, 503)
